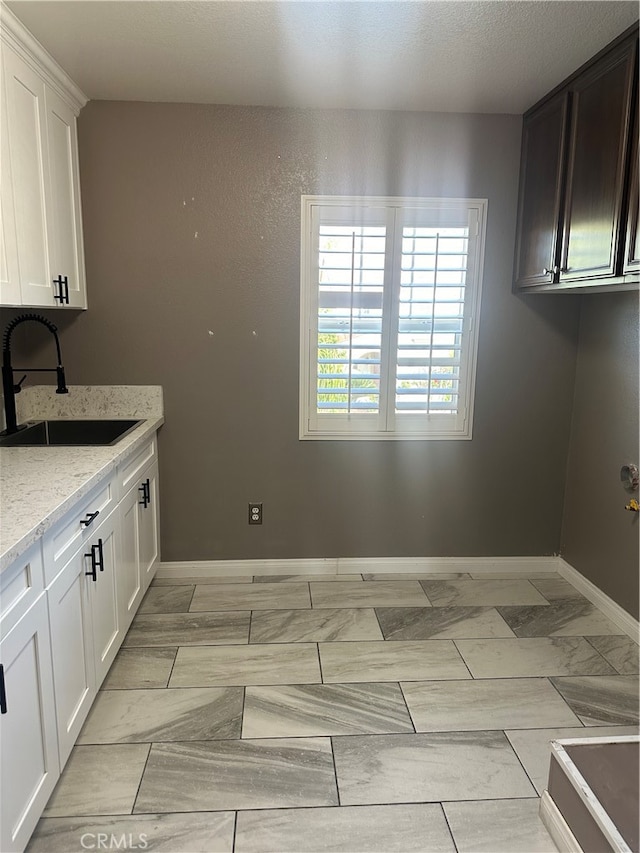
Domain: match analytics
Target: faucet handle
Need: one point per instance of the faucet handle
(17, 388)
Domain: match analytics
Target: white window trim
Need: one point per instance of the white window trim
(472, 305)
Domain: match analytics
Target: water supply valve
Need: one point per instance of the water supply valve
(629, 476)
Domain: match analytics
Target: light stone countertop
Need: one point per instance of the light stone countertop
(38, 485)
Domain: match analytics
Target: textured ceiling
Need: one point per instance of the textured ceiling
(455, 56)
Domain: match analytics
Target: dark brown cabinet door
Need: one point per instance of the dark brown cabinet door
(632, 246)
(593, 229)
(539, 224)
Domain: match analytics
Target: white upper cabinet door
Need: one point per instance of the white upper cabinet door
(28, 159)
(64, 217)
(10, 293)
(42, 262)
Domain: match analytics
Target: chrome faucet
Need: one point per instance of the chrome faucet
(9, 388)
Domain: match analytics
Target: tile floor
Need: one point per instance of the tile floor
(381, 713)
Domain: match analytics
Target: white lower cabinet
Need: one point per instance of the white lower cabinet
(86, 629)
(106, 619)
(149, 525)
(139, 525)
(28, 743)
(58, 643)
(72, 651)
(129, 579)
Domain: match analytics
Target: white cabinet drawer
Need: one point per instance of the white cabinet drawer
(133, 467)
(20, 585)
(77, 527)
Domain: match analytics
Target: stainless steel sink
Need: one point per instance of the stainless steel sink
(69, 433)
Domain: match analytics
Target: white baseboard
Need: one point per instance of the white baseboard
(556, 825)
(359, 565)
(242, 568)
(618, 615)
(477, 565)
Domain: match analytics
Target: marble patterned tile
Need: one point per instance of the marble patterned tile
(238, 774)
(358, 829)
(192, 580)
(139, 667)
(415, 576)
(427, 623)
(325, 578)
(602, 701)
(99, 780)
(378, 594)
(418, 660)
(556, 588)
(568, 618)
(167, 599)
(541, 656)
(310, 710)
(428, 767)
(240, 665)
(621, 652)
(514, 703)
(197, 832)
(301, 626)
(255, 596)
(145, 716)
(533, 746)
(499, 826)
(188, 629)
(479, 593)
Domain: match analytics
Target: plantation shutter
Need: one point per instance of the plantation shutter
(391, 298)
(350, 263)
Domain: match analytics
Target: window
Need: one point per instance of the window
(390, 300)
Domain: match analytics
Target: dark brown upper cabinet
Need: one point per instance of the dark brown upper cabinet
(576, 207)
(540, 201)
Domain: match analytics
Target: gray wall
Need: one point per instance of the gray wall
(599, 538)
(192, 218)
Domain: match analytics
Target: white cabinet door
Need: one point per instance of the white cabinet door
(71, 650)
(149, 526)
(107, 627)
(30, 765)
(129, 580)
(64, 219)
(10, 293)
(26, 115)
(140, 541)
(41, 215)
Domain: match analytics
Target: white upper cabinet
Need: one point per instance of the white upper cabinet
(43, 257)
(9, 272)
(64, 217)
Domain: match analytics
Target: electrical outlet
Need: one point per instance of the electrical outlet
(255, 512)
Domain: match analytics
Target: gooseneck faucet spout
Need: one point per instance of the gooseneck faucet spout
(9, 387)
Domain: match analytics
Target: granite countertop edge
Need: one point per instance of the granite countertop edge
(57, 489)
